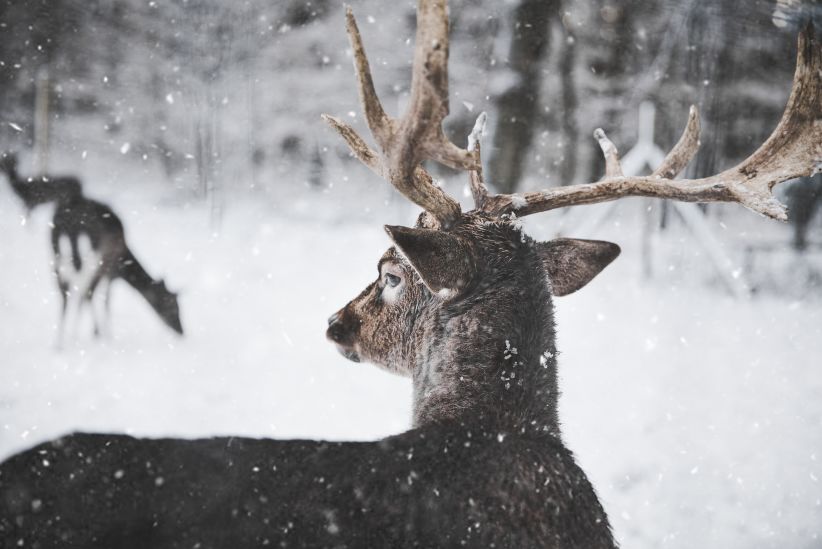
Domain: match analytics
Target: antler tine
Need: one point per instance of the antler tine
(429, 103)
(368, 156)
(405, 142)
(793, 150)
(684, 150)
(379, 123)
(478, 189)
(612, 166)
(361, 150)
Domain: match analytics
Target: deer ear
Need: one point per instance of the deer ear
(443, 262)
(572, 263)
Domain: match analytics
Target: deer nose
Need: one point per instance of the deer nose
(336, 332)
(333, 318)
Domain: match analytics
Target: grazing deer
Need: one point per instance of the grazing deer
(462, 305)
(90, 251)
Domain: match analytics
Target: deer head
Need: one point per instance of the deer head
(164, 303)
(462, 301)
(467, 314)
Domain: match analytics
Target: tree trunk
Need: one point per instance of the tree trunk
(803, 198)
(570, 129)
(517, 104)
(707, 35)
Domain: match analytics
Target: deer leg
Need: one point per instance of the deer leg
(72, 307)
(61, 326)
(91, 302)
(87, 276)
(92, 299)
(67, 264)
(62, 272)
(75, 311)
(107, 307)
(98, 296)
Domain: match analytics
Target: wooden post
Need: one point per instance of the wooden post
(41, 120)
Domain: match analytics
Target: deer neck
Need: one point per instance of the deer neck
(490, 360)
(132, 272)
(11, 174)
(14, 178)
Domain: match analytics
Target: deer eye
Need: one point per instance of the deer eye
(391, 280)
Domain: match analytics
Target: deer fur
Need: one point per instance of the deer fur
(469, 349)
(484, 465)
(90, 251)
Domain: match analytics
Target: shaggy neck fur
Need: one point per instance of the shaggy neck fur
(489, 356)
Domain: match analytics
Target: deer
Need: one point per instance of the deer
(462, 305)
(90, 252)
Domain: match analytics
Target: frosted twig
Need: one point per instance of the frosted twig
(609, 150)
(477, 132)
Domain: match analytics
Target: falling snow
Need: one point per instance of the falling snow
(697, 416)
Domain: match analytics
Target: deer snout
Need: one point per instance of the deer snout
(337, 330)
(340, 332)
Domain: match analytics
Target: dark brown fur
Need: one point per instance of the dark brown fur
(488, 347)
(484, 465)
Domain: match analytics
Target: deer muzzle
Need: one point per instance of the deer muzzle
(341, 333)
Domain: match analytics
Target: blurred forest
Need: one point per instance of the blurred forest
(696, 414)
(225, 97)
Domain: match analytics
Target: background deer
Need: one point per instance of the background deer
(462, 304)
(90, 251)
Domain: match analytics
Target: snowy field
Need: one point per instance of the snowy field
(697, 416)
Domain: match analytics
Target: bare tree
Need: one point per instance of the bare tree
(518, 103)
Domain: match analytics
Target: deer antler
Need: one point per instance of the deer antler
(793, 150)
(405, 142)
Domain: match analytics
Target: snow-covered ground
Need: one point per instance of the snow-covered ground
(697, 417)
